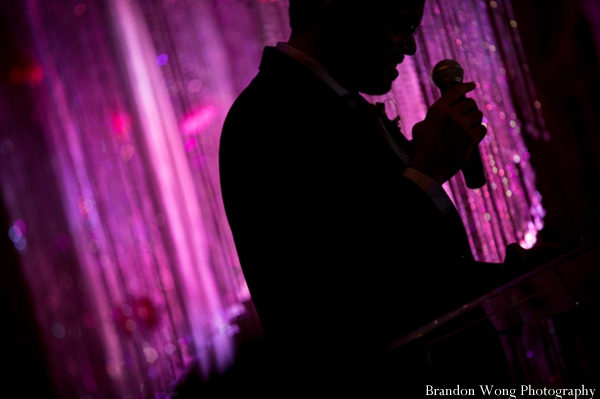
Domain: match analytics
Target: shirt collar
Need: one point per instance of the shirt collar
(313, 65)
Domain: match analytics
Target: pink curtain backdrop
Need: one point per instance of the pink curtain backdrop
(109, 128)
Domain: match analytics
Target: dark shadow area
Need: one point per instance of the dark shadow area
(561, 54)
(25, 372)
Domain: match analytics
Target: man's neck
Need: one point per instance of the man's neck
(313, 65)
(321, 51)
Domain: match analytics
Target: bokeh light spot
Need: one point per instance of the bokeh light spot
(58, 330)
(79, 9)
(93, 245)
(114, 370)
(162, 59)
(21, 225)
(151, 355)
(170, 349)
(127, 152)
(21, 245)
(130, 325)
(14, 233)
(121, 124)
(194, 86)
(191, 144)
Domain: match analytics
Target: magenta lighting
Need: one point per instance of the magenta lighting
(110, 119)
(483, 37)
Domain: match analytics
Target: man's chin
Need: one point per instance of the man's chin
(377, 89)
(380, 86)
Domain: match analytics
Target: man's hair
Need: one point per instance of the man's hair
(303, 12)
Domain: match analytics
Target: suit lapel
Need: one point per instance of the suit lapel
(388, 134)
(399, 137)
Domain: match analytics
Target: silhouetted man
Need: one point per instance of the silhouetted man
(345, 236)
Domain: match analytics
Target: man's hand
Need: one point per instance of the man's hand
(443, 142)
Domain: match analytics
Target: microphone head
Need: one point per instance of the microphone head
(447, 73)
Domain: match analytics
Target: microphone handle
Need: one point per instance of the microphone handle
(473, 169)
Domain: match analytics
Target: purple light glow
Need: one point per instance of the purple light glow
(129, 251)
(121, 124)
(113, 205)
(198, 120)
(191, 144)
(21, 225)
(162, 59)
(79, 9)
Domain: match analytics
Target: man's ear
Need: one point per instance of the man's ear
(331, 10)
(344, 12)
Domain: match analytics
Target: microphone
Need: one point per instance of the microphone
(447, 74)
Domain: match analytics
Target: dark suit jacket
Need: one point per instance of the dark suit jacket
(339, 250)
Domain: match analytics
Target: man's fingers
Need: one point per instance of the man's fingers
(481, 131)
(476, 125)
(464, 107)
(478, 133)
(476, 130)
(457, 93)
(474, 119)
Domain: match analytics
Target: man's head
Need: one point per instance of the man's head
(360, 42)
